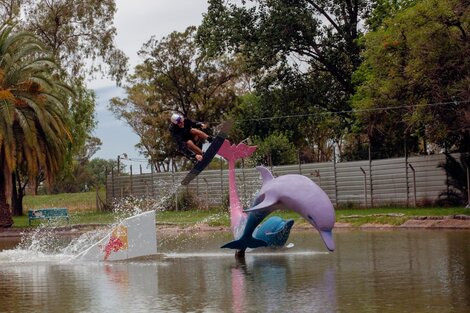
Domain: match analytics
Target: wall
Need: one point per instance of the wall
(380, 182)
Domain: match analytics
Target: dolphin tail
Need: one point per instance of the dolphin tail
(243, 243)
(235, 152)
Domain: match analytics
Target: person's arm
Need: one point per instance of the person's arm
(196, 124)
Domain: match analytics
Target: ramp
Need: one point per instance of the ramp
(134, 237)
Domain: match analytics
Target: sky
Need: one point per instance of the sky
(136, 21)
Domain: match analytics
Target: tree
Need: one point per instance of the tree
(80, 35)
(416, 66)
(303, 51)
(293, 110)
(99, 168)
(33, 118)
(457, 188)
(175, 77)
(385, 9)
(276, 149)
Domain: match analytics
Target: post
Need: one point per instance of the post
(370, 177)
(414, 184)
(335, 179)
(316, 173)
(152, 178)
(131, 178)
(300, 162)
(468, 187)
(221, 182)
(365, 186)
(207, 191)
(244, 181)
(118, 164)
(173, 179)
(112, 182)
(270, 161)
(406, 174)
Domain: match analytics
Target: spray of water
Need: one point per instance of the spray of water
(47, 241)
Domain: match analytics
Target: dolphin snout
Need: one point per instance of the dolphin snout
(326, 235)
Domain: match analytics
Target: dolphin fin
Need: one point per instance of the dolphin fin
(266, 175)
(265, 203)
(243, 243)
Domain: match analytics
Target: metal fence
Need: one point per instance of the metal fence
(406, 181)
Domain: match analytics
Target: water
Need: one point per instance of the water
(371, 271)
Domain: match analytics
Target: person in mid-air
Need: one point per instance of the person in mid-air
(189, 136)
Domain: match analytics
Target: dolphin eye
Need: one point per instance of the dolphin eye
(312, 220)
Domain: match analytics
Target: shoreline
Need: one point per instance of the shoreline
(459, 222)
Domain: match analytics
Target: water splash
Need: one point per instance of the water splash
(47, 242)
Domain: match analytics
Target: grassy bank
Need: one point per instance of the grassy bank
(82, 210)
(75, 202)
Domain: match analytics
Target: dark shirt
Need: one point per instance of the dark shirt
(182, 134)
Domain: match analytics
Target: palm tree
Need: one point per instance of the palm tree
(33, 113)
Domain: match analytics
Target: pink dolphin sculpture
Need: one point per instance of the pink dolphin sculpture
(300, 194)
(246, 227)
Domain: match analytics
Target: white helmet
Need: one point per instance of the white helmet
(176, 118)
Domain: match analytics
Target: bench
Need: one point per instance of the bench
(47, 214)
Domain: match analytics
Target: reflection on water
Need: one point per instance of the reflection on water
(386, 271)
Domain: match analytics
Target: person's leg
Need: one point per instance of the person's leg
(199, 135)
(193, 147)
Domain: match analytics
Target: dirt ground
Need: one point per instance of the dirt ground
(432, 222)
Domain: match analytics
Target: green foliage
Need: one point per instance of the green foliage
(85, 175)
(386, 9)
(457, 193)
(184, 200)
(99, 168)
(80, 34)
(418, 57)
(275, 149)
(304, 54)
(34, 128)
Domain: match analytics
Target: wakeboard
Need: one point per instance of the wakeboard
(210, 153)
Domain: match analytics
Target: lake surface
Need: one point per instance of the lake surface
(371, 271)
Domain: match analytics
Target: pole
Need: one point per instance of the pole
(118, 164)
(112, 182)
(406, 174)
(131, 178)
(365, 186)
(370, 177)
(207, 192)
(335, 179)
(221, 182)
(468, 187)
(414, 184)
(152, 179)
(244, 181)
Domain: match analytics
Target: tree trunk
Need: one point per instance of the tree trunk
(6, 219)
(17, 195)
